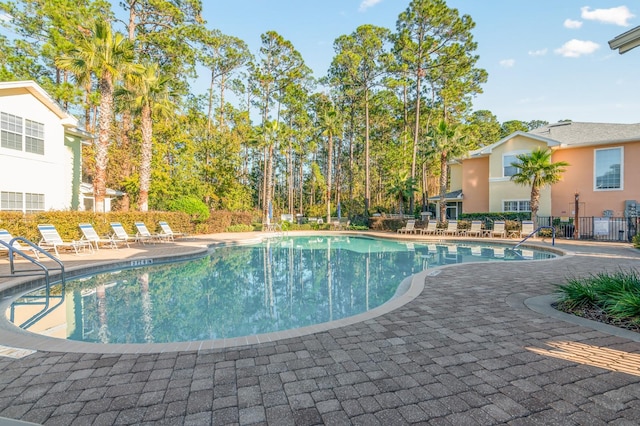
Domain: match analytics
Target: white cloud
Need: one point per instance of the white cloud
(616, 15)
(366, 4)
(507, 63)
(539, 52)
(576, 48)
(571, 24)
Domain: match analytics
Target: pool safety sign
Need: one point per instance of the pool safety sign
(600, 226)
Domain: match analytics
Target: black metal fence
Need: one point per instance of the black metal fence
(594, 228)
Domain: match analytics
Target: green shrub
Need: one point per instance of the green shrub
(636, 241)
(617, 294)
(192, 206)
(240, 228)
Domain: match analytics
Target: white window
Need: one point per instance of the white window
(34, 202)
(507, 169)
(17, 201)
(33, 137)
(516, 206)
(11, 201)
(12, 133)
(608, 169)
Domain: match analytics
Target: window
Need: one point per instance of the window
(34, 137)
(17, 201)
(608, 168)
(516, 206)
(34, 202)
(11, 131)
(11, 201)
(507, 169)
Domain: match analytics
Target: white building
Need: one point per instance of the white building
(40, 151)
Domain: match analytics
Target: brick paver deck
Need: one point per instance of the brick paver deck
(466, 351)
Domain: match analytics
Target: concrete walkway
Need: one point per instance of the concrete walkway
(468, 350)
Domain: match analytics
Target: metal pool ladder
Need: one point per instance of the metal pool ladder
(41, 269)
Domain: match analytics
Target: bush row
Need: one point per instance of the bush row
(66, 222)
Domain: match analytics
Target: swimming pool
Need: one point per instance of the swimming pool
(279, 284)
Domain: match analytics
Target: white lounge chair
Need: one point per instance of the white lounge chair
(89, 234)
(498, 229)
(410, 227)
(6, 237)
(451, 229)
(475, 230)
(120, 234)
(431, 229)
(143, 234)
(168, 232)
(527, 228)
(51, 239)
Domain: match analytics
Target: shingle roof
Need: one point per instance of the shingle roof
(577, 133)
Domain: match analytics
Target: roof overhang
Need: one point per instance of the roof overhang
(33, 88)
(87, 189)
(626, 41)
(487, 150)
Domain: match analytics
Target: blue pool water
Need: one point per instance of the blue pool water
(279, 284)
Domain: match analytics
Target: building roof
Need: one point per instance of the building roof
(449, 196)
(626, 41)
(33, 88)
(87, 189)
(571, 134)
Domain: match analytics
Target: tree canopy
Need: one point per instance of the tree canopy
(393, 108)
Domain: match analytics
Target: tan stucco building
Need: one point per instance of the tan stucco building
(604, 170)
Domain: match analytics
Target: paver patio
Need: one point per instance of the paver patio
(466, 351)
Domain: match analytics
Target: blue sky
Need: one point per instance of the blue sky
(546, 59)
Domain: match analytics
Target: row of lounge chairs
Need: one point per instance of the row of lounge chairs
(475, 230)
(90, 240)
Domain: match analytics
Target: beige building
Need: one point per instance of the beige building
(604, 171)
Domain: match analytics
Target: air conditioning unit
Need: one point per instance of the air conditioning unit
(607, 213)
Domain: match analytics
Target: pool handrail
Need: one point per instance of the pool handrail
(553, 235)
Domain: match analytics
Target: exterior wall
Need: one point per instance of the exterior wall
(475, 185)
(579, 177)
(502, 188)
(56, 174)
(455, 177)
(73, 169)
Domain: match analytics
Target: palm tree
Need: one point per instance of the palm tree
(150, 95)
(104, 55)
(447, 142)
(402, 188)
(536, 170)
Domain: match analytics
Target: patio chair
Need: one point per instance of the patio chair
(410, 227)
(6, 237)
(451, 229)
(89, 234)
(51, 239)
(119, 234)
(431, 229)
(475, 230)
(527, 228)
(498, 229)
(168, 232)
(143, 234)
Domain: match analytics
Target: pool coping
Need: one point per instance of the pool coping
(13, 336)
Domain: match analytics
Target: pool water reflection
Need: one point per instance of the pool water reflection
(280, 284)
